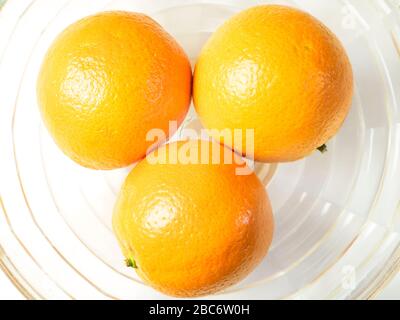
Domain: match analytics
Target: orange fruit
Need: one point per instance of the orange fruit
(193, 229)
(106, 81)
(279, 71)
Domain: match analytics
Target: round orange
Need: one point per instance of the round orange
(106, 81)
(196, 228)
(279, 71)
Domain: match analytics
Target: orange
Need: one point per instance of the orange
(106, 81)
(280, 72)
(192, 229)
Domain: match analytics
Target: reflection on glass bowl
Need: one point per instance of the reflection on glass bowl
(337, 214)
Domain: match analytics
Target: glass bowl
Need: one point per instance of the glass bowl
(337, 214)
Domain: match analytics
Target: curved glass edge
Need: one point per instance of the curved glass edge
(370, 292)
(10, 272)
(383, 279)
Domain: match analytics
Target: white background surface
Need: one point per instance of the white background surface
(8, 291)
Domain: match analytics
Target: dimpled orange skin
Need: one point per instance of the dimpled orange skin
(192, 229)
(106, 81)
(279, 71)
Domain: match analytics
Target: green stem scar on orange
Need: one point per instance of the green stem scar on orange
(323, 149)
(131, 263)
